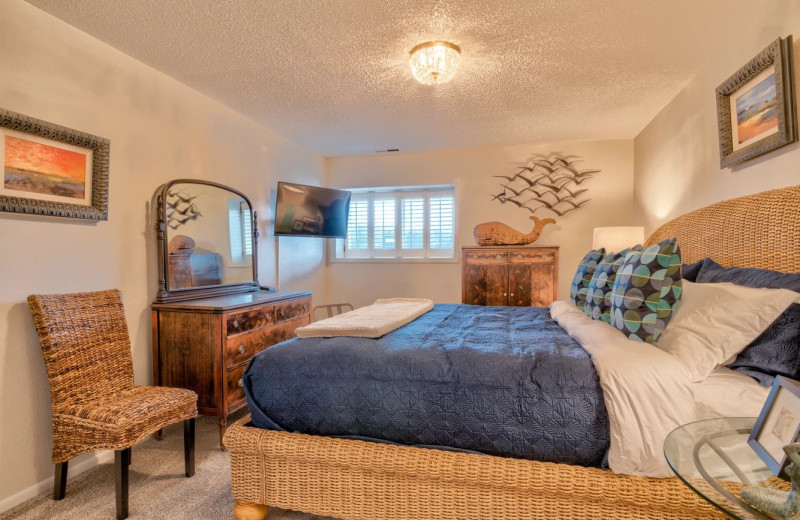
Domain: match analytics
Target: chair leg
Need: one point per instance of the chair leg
(188, 446)
(121, 462)
(60, 483)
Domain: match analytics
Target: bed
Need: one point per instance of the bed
(354, 479)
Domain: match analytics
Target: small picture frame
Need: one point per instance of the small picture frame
(48, 169)
(756, 106)
(778, 424)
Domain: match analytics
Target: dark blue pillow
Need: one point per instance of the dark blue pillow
(777, 350)
(689, 272)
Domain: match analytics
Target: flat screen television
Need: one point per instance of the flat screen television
(311, 211)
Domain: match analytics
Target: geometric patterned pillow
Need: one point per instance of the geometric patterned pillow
(580, 282)
(598, 295)
(647, 291)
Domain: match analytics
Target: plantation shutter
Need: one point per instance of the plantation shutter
(402, 222)
(412, 225)
(384, 209)
(357, 242)
(441, 213)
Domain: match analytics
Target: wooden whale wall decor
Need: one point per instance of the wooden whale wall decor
(499, 234)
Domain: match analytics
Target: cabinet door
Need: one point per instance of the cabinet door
(519, 285)
(486, 284)
(531, 284)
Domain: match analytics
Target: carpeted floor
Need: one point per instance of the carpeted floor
(158, 487)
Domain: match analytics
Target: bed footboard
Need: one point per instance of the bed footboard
(357, 480)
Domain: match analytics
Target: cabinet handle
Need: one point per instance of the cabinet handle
(544, 257)
(512, 294)
(305, 307)
(283, 313)
(474, 257)
(240, 384)
(505, 294)
(499, 257)
(241, 349)
(519, 257)
(235, 323)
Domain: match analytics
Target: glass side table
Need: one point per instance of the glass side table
(712, 458)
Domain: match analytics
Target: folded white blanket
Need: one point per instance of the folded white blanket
(372, 321)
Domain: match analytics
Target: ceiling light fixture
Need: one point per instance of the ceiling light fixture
(434, 63)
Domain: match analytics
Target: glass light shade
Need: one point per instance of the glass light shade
(617, 238)
(434, 63)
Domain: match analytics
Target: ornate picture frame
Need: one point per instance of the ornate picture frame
(48, 169)
(778, 424)
(756, 106)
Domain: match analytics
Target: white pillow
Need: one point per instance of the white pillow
(716, 321)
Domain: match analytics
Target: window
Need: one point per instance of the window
(240, 225)
(406, 223)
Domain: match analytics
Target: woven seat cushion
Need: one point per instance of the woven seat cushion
(136, 407)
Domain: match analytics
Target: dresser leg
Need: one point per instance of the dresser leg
(223, 426)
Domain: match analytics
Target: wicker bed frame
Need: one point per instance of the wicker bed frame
(359, 480)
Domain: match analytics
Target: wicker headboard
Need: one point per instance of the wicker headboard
(761, 230)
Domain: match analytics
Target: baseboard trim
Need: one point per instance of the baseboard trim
(97, 458)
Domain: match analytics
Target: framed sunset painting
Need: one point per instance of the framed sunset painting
(48, 169)
(756, 106)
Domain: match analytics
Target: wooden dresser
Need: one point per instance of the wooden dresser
(205, 344)
(509, 275)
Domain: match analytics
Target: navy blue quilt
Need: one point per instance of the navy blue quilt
(504, 381)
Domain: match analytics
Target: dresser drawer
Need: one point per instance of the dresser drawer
(242, 347)
(532, 257)
(291, 310)
(486, 257)
(234, 385)
(249, 320)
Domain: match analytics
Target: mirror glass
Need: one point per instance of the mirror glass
(209, 236)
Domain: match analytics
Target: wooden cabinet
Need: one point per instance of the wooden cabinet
(204, 345)
(516, 276)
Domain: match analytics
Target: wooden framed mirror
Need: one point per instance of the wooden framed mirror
(207, 241)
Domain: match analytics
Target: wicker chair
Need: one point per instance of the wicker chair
(95, 403)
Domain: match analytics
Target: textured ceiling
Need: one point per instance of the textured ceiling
(334, 75)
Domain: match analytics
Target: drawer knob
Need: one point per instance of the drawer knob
(499, 257)
(512, 294)
(235, 323)
(474, 257)
(240, 384)
(505, 294)
(544, 257)
(241, 349)
(519, 257)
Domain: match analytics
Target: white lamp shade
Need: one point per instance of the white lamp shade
(617, 238)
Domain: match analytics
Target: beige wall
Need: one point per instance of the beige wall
(471, 170)
(677, 154)
(159, 130)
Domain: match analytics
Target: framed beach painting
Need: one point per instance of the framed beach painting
(49, 169)
(756, 106)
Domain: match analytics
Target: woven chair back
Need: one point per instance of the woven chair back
(761, 230)
(85, 344)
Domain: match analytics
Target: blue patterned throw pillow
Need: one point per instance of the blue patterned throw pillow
(647, 291)
(598, 295)
(580, 282)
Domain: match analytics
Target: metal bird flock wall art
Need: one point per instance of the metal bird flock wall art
(181, 209)
(547, 182)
